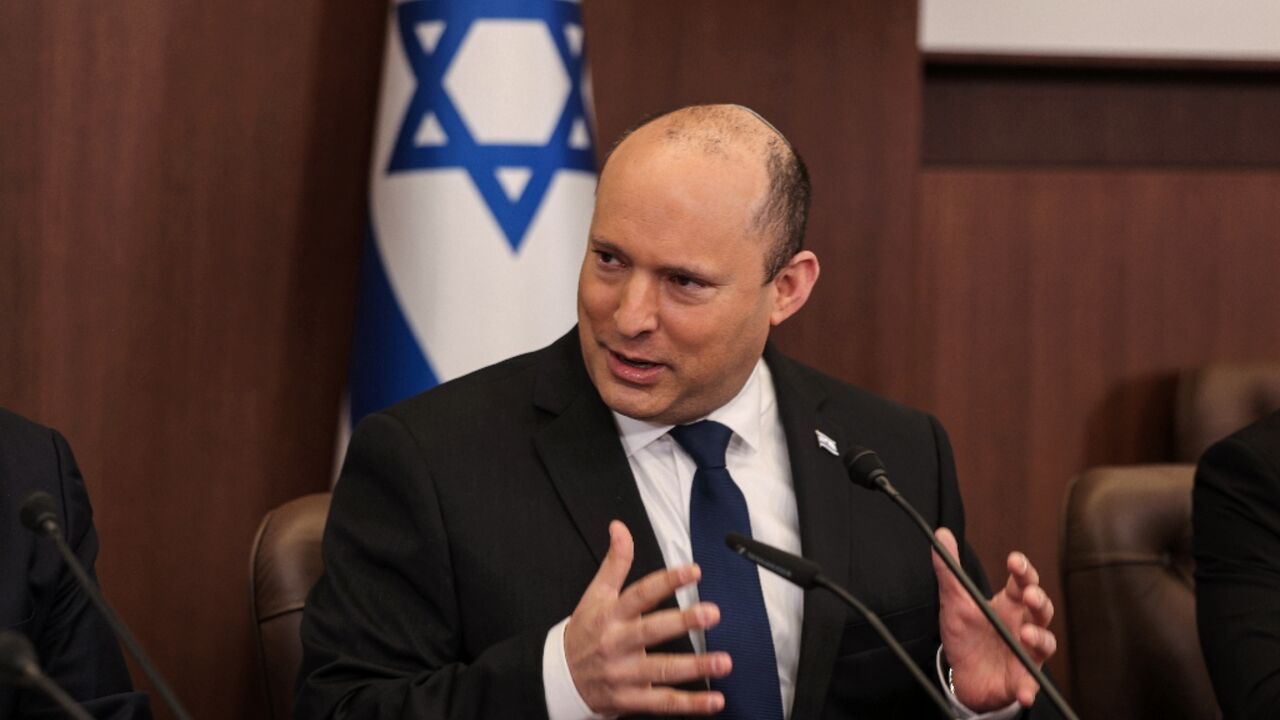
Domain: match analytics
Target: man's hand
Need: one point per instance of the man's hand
(987, 676)
(608, 632)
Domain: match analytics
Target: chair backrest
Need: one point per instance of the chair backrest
(284, 563)
(1215, 400)
(1130, 595)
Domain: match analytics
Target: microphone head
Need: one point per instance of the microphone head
(39, 511)
(864, 466)
(798, 570)
(17, 659)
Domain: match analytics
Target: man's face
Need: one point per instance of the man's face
(673, 310)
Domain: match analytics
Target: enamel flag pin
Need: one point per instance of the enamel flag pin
(826, 443)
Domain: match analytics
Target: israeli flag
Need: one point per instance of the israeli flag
(481, 191)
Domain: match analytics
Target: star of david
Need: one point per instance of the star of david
(459, 147)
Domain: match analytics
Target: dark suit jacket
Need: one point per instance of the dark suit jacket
(1236, 544)
(39, 597)
(469, 520)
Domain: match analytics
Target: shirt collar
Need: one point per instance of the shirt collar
(742, 414)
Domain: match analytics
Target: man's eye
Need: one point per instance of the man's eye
(606, 258)
(685, 281)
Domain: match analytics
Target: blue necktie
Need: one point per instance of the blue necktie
(717, 508)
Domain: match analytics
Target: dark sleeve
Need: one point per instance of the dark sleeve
(75, 645)
(951, 506)
(381, 630)
(1236, 544)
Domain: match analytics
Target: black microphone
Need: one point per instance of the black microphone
(40, 515)
(866, 469)
(807, 575)
(18, 667)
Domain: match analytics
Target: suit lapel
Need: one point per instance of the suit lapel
(822, 497)
(585, 461)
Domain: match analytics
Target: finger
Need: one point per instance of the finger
(672, 668)
(948, 540)
(1037, 601)
(1027, 692)
(1040, 643)
(948, 584)
(663, 625)
(612, 574)
(661, 700)
(644, 594)
(1022, 573)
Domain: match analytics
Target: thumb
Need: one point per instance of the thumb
(947, 582)
(613, 571)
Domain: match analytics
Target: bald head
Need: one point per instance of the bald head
(729, 131)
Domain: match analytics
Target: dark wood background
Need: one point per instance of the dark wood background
(182, 205)
(1029, 253)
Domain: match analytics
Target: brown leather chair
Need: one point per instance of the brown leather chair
(1213, 401)
(284, 563)
(1130, 596)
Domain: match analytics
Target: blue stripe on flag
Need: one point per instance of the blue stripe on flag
(386, 363)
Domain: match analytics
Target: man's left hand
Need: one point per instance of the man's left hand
(986, 675)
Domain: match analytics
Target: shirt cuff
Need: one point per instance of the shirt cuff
(563, 700)
(1004, 713)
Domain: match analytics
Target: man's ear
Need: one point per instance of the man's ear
(794, 283)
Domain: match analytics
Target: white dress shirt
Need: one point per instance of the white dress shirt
(758, 461)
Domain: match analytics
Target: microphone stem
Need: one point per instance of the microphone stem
(883, 632)
(1055, 697)
(61, 698)
(126, 637)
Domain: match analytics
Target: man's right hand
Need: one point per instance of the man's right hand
(606, 639)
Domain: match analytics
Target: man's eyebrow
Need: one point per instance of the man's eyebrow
(679, 271)
(599, 244)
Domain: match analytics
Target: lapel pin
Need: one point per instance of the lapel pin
(826, 443)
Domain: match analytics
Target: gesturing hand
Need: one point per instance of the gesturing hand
(606, 638)
(987, 675)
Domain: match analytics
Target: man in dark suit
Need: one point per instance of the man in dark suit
(38, 596)
(1236, 544)
(517, 543)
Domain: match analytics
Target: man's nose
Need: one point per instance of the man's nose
(637, 310)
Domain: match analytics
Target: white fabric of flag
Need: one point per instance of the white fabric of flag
(480, 192)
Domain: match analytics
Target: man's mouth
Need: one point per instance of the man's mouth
(633, 369)
(635, 362)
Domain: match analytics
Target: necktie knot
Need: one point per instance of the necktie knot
(706, 442)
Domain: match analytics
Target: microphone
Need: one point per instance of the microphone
(808, 575)
(867, 470)
(39, 514)
(18, 667)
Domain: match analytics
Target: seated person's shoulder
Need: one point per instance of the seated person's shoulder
(852, 401)
(1262, 437)
(463, 413)
(1253, 449)
(32, 457)
(24, 440)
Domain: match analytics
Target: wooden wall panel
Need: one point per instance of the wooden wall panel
(1065, 302)
(182, 211)
(1213, 116)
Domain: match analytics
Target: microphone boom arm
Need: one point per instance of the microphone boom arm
(807, 575)
(39, 516)
(881, 481)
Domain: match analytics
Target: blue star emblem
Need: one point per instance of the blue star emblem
(453, 144)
